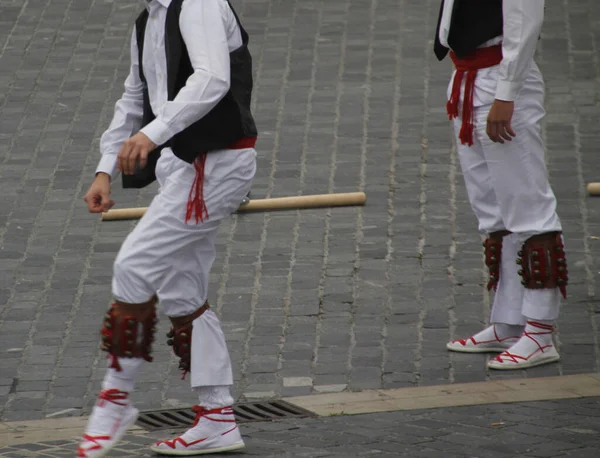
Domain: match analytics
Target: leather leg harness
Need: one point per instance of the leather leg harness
(128, 331)
(493, 256)
(543, 262)
(180, 337)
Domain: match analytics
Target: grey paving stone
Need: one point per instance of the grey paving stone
(348, 96)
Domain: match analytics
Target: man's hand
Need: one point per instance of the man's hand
(134, 150)
(98, 196)
(499, 121)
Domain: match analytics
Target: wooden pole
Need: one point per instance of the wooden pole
(593, 189)
(257, 205)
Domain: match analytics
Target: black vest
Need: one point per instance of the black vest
(473, 23)
(229, 121)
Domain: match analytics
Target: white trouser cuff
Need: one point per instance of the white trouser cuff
(542, 304)
(211, 365)
(508, 300)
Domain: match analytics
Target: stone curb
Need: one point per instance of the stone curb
(363, 402)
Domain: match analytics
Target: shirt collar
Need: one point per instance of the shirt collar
(150, 3)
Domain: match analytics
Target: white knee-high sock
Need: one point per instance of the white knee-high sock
(214, 397)
(536, 338)
(540, 330)
(504, 330)
(125, 379)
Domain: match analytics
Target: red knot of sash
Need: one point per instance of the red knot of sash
(466, 69)
(196, 206)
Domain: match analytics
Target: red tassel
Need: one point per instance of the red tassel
(468, 124)
(114, 363)
(196, 202)
(452, 105)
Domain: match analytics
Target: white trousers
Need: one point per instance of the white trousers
(167, 257)
(508, 189)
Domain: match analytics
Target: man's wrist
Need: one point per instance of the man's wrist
(103, 174)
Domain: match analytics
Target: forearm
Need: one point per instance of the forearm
(127, 118)
(126, 122)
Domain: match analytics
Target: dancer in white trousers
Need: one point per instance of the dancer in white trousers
(184, 120)
(496, 98)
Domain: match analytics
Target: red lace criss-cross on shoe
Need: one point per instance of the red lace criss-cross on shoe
(487, 341)
(534, 348)
(112, 415)
(214, 431)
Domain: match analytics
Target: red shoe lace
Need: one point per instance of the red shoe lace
(113, 396)
(200, 413)
(463, 342)
(81, 453)
(548, 329)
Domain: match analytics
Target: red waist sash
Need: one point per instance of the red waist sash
(468, 66)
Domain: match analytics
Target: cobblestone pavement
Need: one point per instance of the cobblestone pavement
(348, 97)
(538, 429)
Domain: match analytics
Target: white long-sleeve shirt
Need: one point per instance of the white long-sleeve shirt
(522, 24)
(210, 33)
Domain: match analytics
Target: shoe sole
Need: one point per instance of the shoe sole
(476, 350)
(526, 365)
(229, 448)
(119, 435)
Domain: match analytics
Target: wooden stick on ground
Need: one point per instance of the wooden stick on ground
(593, 189)
(256, 205)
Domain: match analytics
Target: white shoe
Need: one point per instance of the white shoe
(214, 431)
(113, 414)
(533, 349)
(486, 341)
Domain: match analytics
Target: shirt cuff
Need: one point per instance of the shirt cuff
(508, 90)
(159, 132)
(108, 165)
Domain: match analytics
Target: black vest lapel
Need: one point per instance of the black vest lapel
(140, 31)
(173, 46)
(440, 50)
(143, 177)
(242, 30)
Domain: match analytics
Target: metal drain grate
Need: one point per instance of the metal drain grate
(244, 413)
